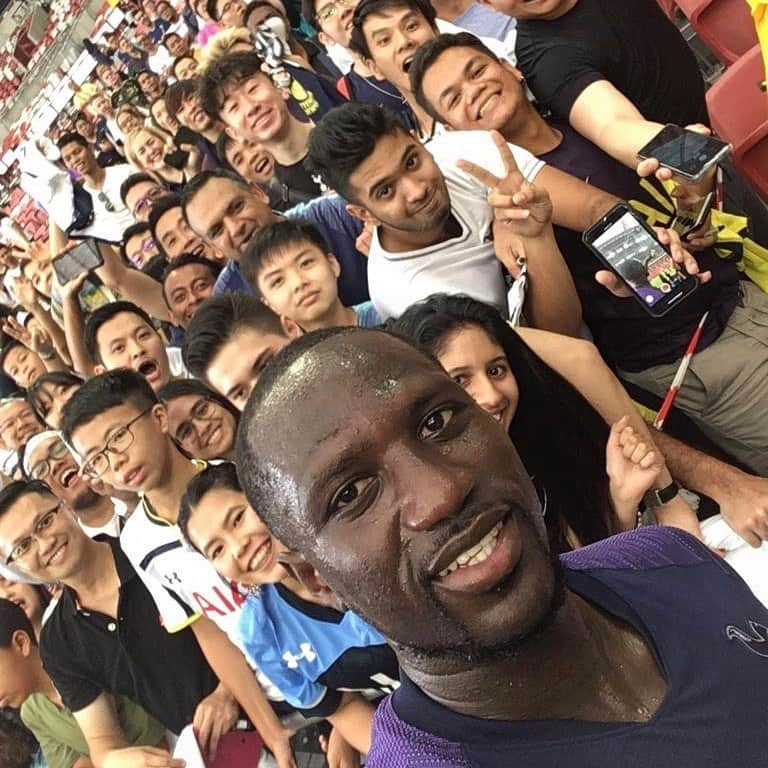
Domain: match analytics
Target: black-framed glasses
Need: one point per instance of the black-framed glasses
(204, 409)
(23, 547)
(107, 202)
(40, 470)
(119, 443)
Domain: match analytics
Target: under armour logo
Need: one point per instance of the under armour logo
(172, 578)
(755, 639)
(306, 653)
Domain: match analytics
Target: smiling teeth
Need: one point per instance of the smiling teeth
(477, 554)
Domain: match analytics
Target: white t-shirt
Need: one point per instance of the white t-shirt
(110, 528)
(160, 60)
(176, 363)
(109, 225)
(182, 582)
(505, 50)
(466, 263)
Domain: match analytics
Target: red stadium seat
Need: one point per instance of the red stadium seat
(725, 26)
(738, 111)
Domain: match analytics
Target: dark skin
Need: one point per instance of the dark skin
(388, 472)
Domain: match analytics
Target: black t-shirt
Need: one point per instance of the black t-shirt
(628, 337)
(297, 177)
(631, 44)
(88, 653)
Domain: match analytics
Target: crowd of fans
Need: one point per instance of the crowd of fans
(319, 417)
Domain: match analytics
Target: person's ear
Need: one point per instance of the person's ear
(325, 41)
(160, 415)
(231, 132)
(334, 262)
(506, 64)
(21, 643)
(310, 579)
(372, 68)
(98, 369)
(363, 214)
(291, 328)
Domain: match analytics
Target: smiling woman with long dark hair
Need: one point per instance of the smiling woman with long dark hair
(560, 437)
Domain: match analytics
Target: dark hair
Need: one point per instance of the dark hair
(160, 207)
(212, 9)
(217, 320)
(103, 315)
(214, 476)
(183, 387)
(202, 178)
(139, 228)
(571, 468)
(181, 58)
(13, 620)
(428, 53)
(18, 489)
(132, 181)
(185, 260)
(308, 11)
(72, 138)
(344, 138)
(177, 92)
(102, 393)
(366, 8)
(219, 75)
(18, 746)
(57, 378)
(223, 143)
(155, 267)
(8, 345)
(269, 240)
(170, 34)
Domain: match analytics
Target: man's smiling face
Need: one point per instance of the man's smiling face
(406, 496)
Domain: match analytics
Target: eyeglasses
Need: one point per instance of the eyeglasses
(329, 11)
(107, 203)
(144, 202)
(203, 410)
(119, 443)
(42, 468)
(23, 547)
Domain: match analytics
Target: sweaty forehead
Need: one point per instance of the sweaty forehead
(345, 380)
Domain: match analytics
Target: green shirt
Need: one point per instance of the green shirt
(63, 742)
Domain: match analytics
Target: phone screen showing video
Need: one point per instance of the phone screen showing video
(640, 260)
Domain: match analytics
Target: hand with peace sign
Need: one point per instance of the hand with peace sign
(521, 206)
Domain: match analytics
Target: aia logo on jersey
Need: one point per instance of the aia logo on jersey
(754, 639)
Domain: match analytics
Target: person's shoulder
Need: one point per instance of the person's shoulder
(135, 530)
(644, 549)
(397, 744)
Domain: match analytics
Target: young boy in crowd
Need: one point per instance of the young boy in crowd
(229, 342)
(291, 269)
(119, 432)
(25, 684)
(122, 335)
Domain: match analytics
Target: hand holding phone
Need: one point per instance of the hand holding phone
(81, 259)
(655, 276)
(688, 154)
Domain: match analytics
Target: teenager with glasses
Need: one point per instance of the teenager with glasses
(119, 433)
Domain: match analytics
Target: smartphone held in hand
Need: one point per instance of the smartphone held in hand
(629, 247)
(84, 257)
